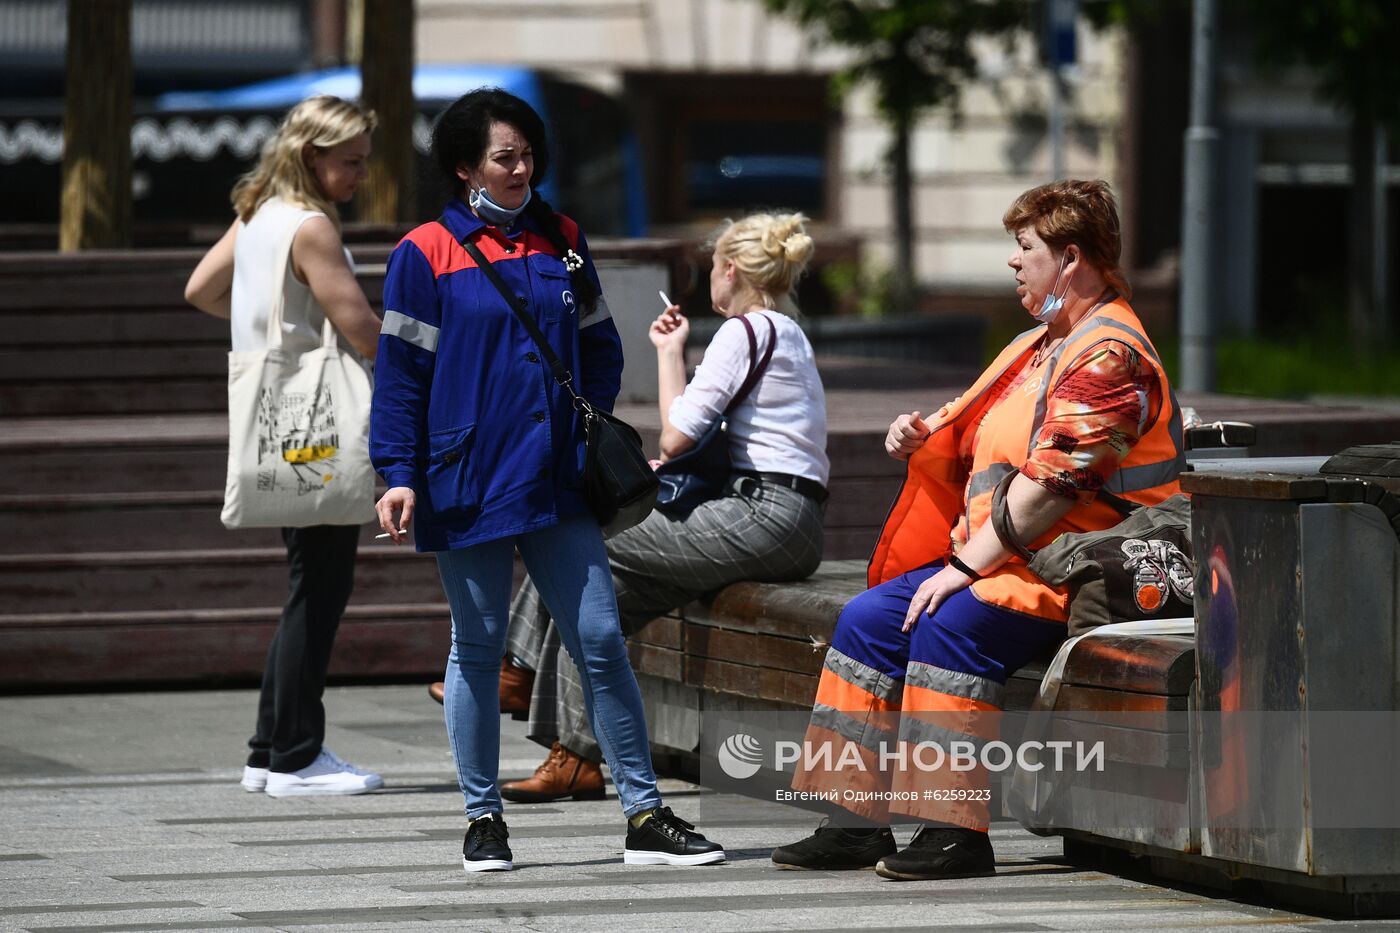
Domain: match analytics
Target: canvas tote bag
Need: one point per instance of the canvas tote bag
(298, 451)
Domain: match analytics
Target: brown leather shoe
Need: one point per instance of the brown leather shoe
(437, 691)
(563, 774)
(516, 686)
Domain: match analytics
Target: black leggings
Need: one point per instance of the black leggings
(291, 720)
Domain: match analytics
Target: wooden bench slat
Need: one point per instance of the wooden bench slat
(656, 661)
(743, 680)
(1134, 746)
(663, 632)
(1153, 713)
(764, 651)
(1152, 664)
(1255, 486)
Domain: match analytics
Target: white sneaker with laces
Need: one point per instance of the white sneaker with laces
(328, 775)
(254, 779)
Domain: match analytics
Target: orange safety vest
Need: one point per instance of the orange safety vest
(939, 491)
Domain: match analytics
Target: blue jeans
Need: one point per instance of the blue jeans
(569, 565)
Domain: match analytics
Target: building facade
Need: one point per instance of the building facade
(722, 89)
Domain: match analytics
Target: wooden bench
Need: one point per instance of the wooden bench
(759, 648)
(751, 647)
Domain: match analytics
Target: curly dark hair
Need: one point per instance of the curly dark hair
(462, 135)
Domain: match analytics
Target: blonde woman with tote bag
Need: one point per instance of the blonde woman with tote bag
(284, 280)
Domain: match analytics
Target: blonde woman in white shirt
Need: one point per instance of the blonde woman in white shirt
(767, 523)
(317, 159)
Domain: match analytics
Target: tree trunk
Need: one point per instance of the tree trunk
(1364, 327)
(902, 191)
(386, 67)
(95, 212)
(327, 33)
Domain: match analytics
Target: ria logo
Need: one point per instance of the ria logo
(740, 756)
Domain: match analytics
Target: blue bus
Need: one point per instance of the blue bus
(188, 148)
(595, 176)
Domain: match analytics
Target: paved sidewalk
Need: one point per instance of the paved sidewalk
(122, 812)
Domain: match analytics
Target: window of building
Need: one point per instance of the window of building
(721, 145)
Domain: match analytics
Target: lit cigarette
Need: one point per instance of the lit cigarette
(402, 531)
(664, 300)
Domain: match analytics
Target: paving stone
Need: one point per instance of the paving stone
(126, 815)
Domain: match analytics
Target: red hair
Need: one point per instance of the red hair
(1078, 212)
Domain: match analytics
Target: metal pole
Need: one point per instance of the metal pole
(1380, 236)
(1057, 125)
(1060, 46)
(1199, 223)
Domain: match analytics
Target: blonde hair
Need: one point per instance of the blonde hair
(771, 251)
(322, 122)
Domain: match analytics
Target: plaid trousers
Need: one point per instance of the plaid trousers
(755, 531)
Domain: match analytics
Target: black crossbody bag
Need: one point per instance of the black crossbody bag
(699, 474)
(618, 482)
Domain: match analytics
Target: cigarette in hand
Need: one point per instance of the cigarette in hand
(402, 531)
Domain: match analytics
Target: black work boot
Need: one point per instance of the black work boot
(832, 848)
(941, 852)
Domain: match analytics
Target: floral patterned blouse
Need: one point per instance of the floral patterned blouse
(1093, 418)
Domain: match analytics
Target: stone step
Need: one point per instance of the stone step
(127, 521)
(75, 523)
(67, 471)
(120, 338)
(205, 647)
(230, 578)
(207, 393)
(100, 465)
(65, 363)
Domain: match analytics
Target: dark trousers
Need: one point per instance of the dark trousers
(291, 720)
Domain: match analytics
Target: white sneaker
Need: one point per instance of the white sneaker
(254, 779)
(328, 775)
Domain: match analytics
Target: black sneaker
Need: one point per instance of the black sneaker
(941, 852)
(666, 839)
(484, 848)
(832, 848)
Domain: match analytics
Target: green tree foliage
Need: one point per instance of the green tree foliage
(1350, 48)
(1350, 44)
(915, 54)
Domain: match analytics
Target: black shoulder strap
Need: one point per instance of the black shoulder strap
(755, 368)
(520, 306)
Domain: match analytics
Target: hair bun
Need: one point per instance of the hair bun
(797, 248)
(770, 250)
(785, 238)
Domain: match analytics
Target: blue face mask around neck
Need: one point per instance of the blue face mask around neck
(1053, 304)
(491, 212)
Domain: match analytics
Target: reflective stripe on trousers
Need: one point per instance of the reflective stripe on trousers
(883, 690)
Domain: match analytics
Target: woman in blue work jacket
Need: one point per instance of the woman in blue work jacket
(482, 454)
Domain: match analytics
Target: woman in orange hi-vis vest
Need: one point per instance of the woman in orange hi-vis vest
(1079, 408)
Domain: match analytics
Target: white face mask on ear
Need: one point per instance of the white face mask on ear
(1053, 304)
(491, 212)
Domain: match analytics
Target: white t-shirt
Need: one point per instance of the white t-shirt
(781, 426)
(261, 244)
